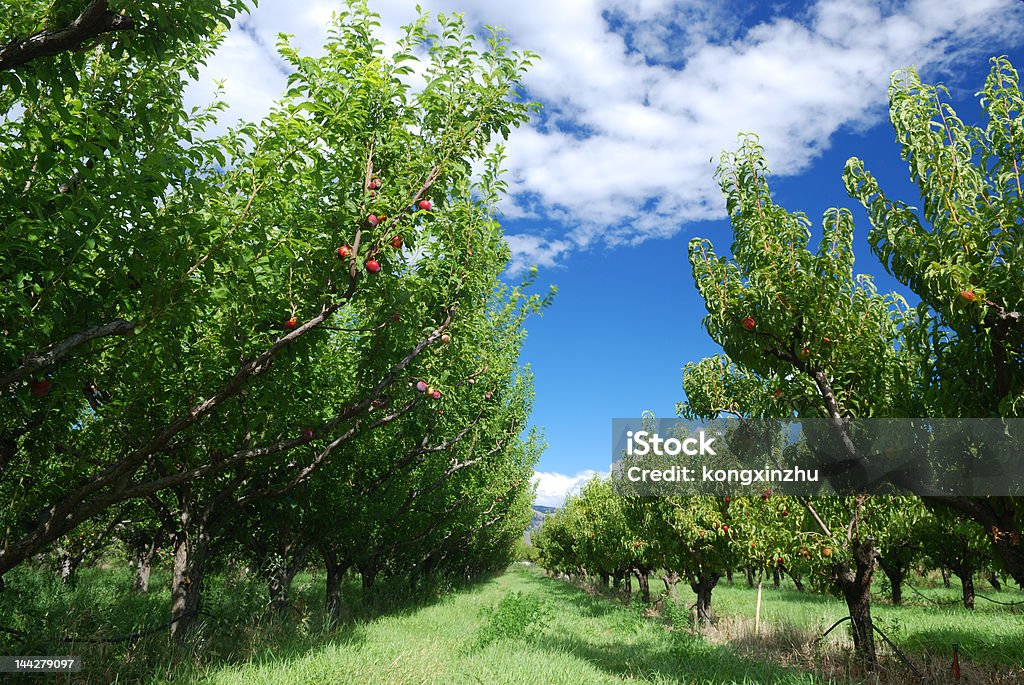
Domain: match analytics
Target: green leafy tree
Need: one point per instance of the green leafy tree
(804, 336)
(235, 331)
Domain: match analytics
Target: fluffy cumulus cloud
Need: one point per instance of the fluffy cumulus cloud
(553, 488)
(640, 96)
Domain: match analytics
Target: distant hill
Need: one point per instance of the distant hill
(539, 514)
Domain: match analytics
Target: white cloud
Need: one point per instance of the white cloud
(640, 95)
(530, 249)
(552, 488)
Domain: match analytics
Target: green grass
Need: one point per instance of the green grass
(581, 639)
(928, 623)
(520, 627)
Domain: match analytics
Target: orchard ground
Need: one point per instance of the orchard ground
(519, 627)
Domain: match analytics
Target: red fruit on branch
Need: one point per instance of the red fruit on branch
(785, 513)
(778, 393)
(445, 338)
(396, 241)
(805, 352)
(967, 295)
(291, 323)
(307, 433)
(725, 528)
(436, 394)
(421, 386)
(749, 323)
(374, 184)
(766, 494)
(40, 387)
(344, 252)
(372, 220)
(425, 205)
(487, 395)
(827, 551)
(372, 265)
(779, 560)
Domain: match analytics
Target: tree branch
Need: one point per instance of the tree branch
(94, 21)
(36, 361)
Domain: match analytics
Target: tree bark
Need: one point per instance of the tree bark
(671, 580)
(750, 576)
(895, 573)
(191, 551)
(703, 585)
(68, 569)
(190, 556)
(643, 577)
(966, 577)
(336, 569)
(775, 577)
(143, 567)
(855, 585)
(945, 576)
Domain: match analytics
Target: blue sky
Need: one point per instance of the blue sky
(612, 181)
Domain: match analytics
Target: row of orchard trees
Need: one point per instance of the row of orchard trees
(805, 336)
(286, 342)
(699, 540)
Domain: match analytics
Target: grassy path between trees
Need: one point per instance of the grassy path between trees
(520, 627)
(561, 634)
(578, 639)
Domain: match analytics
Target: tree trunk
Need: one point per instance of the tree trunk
(68, 569)
(368, 573)
(190, 553)
(728, 576)
(703, 585)
(279, 581)
(604, 580)
(750, 576)
(143, 567)
(775, 577)
(335, 573)
(993, 579)
(671, 580)
(945, 577)
(967, 581)
(279, 589)
(895, 573)
(643, 577)
(796, 578)
(855, 585)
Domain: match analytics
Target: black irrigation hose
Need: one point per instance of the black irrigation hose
(896, 649)
(929, 599)
(955, 602)
(115, 640)
(996, 601)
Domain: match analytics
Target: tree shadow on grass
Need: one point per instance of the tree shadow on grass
(1006, 649)
(682, 658)
(594, 606)
(125, 636)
